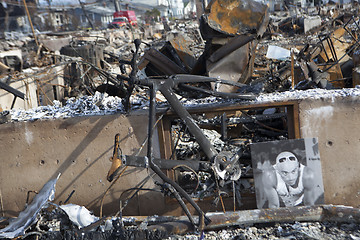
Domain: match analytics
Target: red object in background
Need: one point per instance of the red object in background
(121, 18)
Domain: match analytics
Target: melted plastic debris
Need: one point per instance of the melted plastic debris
(79, 215)
(29, 215)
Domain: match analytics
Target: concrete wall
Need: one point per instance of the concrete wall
(32, 153)
(336, 123)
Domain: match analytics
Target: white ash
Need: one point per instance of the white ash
(197, 102)
(102, 104)
(99, 104)
(315, 94)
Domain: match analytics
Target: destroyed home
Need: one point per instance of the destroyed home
(95, 15)
(239, 124)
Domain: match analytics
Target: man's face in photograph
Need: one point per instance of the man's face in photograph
(288, 167)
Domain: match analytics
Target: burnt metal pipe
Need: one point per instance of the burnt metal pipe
(194, 129)
(224, 126)
(12, 90)
(181, 202)
(154, 167)
(182, 192)
(151, 120)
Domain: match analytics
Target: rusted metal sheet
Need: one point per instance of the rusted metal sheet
(236, 67)
(182, 49)
(236, 16)
(233, 44)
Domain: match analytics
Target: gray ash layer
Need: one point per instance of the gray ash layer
(297, 230)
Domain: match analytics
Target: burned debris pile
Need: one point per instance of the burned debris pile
(43, 219)
(201, 78)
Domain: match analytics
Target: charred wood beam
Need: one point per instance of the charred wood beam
(162, 62)
(107, 75)
(176, 58)
(261, 124)
(247, 96)
(270, 133)
(186, 78)
(12, 90)
(331, 213)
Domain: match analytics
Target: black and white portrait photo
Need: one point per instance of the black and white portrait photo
(287, 173)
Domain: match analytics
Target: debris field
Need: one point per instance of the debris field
(182, 72)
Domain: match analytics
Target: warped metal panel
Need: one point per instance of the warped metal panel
(237, 16)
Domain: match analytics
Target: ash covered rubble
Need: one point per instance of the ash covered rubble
(43, 219)
(105, 73)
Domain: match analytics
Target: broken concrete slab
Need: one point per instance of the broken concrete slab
(311, 23)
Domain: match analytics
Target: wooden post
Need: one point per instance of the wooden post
(32, 27)
(292, 71)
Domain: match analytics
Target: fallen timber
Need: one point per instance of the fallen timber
(330, 213)
(220, 220)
